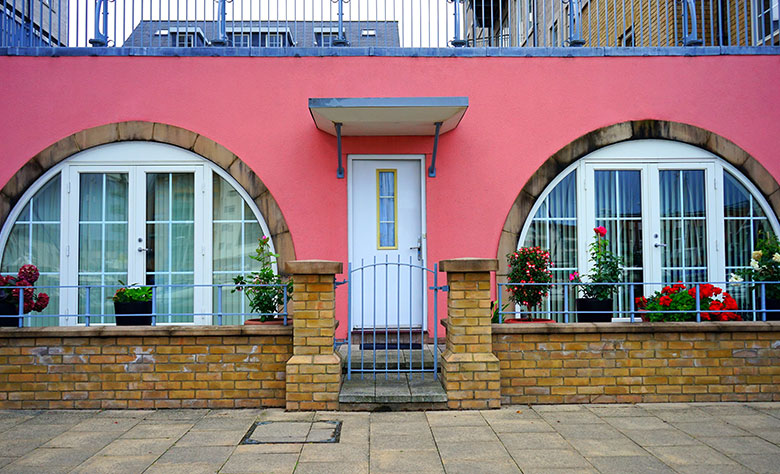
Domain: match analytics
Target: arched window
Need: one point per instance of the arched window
(673, 212)
(137, 212)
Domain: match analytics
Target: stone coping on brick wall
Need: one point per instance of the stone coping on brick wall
(584, 328)
(469, 265)
(151, 331)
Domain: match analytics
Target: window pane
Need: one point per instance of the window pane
(736, 199)
(669, 191)
(606, 204)
(47, 202)
(183, 202)
(629, 183)
(227, 202)
(46, 247)
(694, 194)
(17, 248)
(116, 197)
(228, 248)
(157, 197)
(91, 197)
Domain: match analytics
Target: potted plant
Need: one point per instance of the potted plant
(669, 304)
(528, 265)
(265, 300)
(764, 266)
(597, 302)
(9, 295)
(133, 300)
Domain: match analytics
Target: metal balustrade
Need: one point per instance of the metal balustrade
(559, 305)
(85, 296)
(288, 26)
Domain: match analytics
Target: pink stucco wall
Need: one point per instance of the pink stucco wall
(521, 110)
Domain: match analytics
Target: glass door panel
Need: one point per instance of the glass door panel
(102, 240)
(683, 223)
(618, 208)
(170, 251)
(235, 235)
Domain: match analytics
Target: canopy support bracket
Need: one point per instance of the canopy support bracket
(432, 168)
(340, 171)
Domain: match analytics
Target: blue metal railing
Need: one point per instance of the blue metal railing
(381, 314)
(560, 308)
(290, 25)
(87, 318)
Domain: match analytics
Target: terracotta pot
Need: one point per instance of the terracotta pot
(602, 310)
(527, 320)
(135, 308)
(9, 322)
(258, 322)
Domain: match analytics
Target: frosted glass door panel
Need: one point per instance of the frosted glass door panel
(235, 237)
(618, 204)
(683, 225)
(170, 252)
(102, 234)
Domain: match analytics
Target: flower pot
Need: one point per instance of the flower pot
(258, 322)
(774, 304)
(527, 320)
(11, 321)
(600, 310)
(136, 308)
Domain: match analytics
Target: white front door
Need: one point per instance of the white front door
(387, 241)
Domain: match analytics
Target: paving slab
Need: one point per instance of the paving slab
(159, 429)
(717, 428)
(611, 448)
(49, 460)
(106, 424)
(548, 458)
(137, 447)
(250, 463)
(406, 461)
(533, 440)
(211, 438)
(331, 468)
(191, 459)
(689, 455)
(455, 418)
(403, 442)
(178, 414)
(521, 426)
(76, 439)
(764, 463)
(473, 451)
(637, 423)
(482, 467)
(588, 431)
(114, 465)
(665, 437)
(463, 434)
(620, 410)
(741, 445)
(754, 422)
(572, 417)
(624, 464)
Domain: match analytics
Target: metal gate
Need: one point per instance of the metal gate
(388, 304)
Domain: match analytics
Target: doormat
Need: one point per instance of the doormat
(285, 432)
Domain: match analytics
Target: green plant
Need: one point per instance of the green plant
(529, 265)
(270, 296)
(667, 304)
(607, 268)
(764, 265)
(132, 293)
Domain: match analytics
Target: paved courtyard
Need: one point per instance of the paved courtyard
(686, 438)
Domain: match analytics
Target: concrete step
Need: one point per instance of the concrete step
(390, 336)
(392, 393)
(391, 360)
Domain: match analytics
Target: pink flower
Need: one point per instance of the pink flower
(573, 276)
(601, 231)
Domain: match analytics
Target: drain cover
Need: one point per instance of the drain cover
(283, 432)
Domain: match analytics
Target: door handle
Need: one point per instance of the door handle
(659, 245)
(142, 249)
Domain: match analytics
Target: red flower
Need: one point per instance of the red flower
(641, 302)
(601, 231)
(729, 303)
(665, 301)
(29, 273)
(42, 302)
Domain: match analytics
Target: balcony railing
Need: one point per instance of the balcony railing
(171, 304)
(280, 27)
(559, 303)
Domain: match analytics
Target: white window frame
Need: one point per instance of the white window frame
(650, 156)
(147, 156)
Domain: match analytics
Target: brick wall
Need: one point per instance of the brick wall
(152, 367)
(644, 362)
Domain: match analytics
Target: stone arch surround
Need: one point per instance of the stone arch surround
(161, 133)
(620, 132)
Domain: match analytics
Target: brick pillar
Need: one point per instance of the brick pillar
(469, 369)
(314, 370)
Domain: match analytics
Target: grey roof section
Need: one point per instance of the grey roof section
(302, 32)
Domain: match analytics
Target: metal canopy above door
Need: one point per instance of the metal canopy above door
(388, 116)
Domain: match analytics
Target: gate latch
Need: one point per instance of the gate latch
(440, 288)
